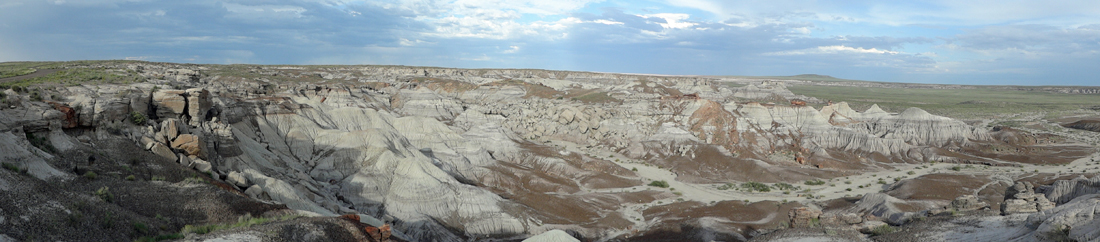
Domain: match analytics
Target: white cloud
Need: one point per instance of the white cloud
(672, 20)
(832, 49)
(512, 50)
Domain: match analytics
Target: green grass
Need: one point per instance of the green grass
(78, 76)
(815, 182)
(803, 77)
(10, 69)
(981, 102)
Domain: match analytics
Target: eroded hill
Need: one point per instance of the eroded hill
(456, 154)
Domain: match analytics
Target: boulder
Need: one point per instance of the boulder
(202, 165)
(163, 151)
(850, 218)
(967, 203)
(190, 144)
(238, 179)
(169, 103)
(186, 161)
(254, 191)
(869, 226)
(804, 217)
(171, 128)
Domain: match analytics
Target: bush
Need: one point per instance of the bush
(881, 230)
(956, 168)
(105, 194)
(755, 186)
(726, 186)
(140, 227)
(815, 182)
(11, 167)
(108, 222)
(137, 118)
(90, 175)
(784, 187)
(911, 173)
(661, 184)
(40, 142)
(131, 178)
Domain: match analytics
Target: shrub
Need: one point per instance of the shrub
(956, 168)
(137, 117)
(40, 143)
(131, 178)
(911, 173)
(105, 194)
(785, 186)
(661, 184)
(634, 169)
(726, 186)
(755, 186)
(108, 222)
(158, 178)
(11, 167)
(881, 230)
(90, 175)
(815, 182)
(140, 227)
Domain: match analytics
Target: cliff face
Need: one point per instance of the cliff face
(452, 154)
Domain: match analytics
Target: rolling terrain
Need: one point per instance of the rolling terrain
(124, 150)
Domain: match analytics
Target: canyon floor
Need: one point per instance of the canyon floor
(130, 150)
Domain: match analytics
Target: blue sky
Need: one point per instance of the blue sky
(1002, 42)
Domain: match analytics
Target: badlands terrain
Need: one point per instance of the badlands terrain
(141, 151)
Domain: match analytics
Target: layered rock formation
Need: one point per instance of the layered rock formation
(1021, 198)
(452, 154)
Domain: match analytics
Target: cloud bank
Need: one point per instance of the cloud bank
(930, 41)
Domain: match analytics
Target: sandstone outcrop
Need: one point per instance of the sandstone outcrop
(805, 217)
(967, 203)
(1062, 191)
(1075, 220)
(1021, 198)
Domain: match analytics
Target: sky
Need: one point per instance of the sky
(982, 42)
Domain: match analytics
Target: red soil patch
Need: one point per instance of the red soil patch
(942, 187)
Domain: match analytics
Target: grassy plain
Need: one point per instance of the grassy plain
(978, 102)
